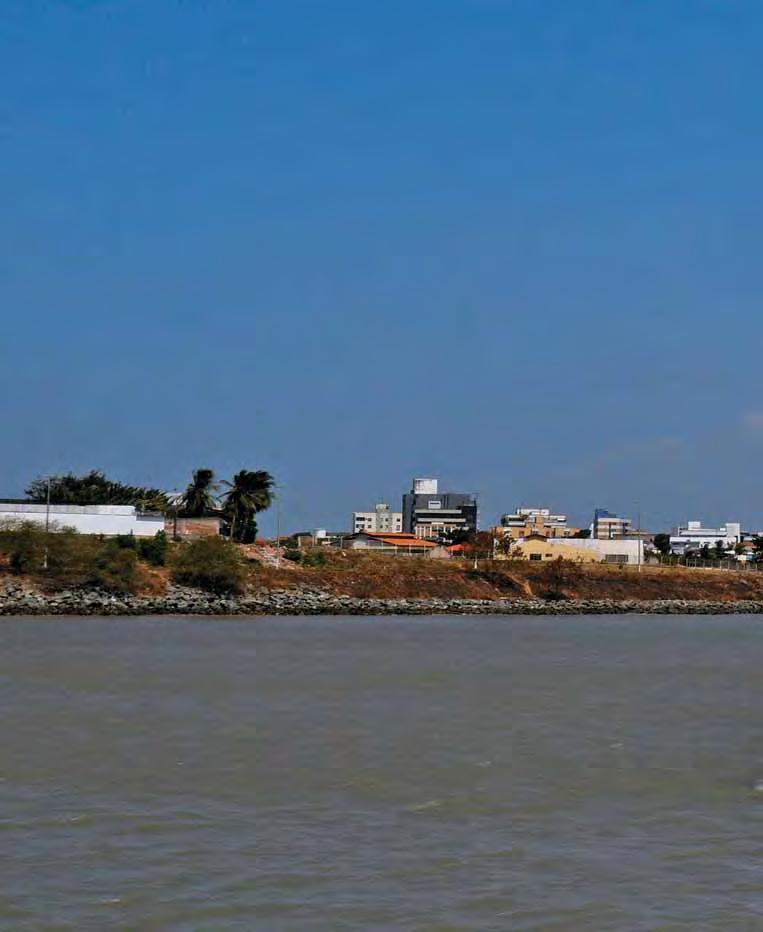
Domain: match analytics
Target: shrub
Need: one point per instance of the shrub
(154, 549)
(314, 558)
(559, 575)
(210, 563)
(72, 559)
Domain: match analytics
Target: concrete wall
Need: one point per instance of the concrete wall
(108, 520)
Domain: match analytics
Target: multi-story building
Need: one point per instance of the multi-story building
(382, 520)
(526, 521)
(609, 526)
(692, 536)
(432, 514)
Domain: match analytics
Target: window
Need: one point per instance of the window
(536, 556)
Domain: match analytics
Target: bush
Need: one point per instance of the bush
(72, 559)
(154, 549)
(559, 575)
(210, 563)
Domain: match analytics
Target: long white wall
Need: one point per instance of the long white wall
(108, 520)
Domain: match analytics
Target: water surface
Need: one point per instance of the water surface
(382, 773)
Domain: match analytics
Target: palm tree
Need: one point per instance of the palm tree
(249, 492)
(199, 497)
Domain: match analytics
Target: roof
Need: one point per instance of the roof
(399, 539)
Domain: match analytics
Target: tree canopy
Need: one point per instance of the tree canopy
(199, 498)
(95, 488)
(249, 492)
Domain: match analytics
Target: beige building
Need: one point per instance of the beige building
(526, 521)
(536, 547)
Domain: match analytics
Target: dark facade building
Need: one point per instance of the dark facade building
(431, 514)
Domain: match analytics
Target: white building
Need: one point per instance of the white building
(692, 536)
(379, 521)
(109, 520)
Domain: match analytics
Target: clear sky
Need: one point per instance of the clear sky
(511, 243)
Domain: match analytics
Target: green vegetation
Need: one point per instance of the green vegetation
(199, 497)
(249, 492)
(209, 563)
(662, 544)
(95, 489)
(66, 559)
(313, 557)
(152, 550)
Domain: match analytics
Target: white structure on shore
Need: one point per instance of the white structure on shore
(109, 520)
(692, 536)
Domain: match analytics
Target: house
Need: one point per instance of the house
(395, 543)
(106, 520)
(430, 514)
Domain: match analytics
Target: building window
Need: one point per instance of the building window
(536, 556)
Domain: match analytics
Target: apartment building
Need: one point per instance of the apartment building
(382, 520)
(430, 514)
(609, 526)
(541, 521)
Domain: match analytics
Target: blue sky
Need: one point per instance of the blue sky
(511, 243)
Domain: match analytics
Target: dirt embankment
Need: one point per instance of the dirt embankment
(374, 576)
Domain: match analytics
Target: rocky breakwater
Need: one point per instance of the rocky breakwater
(20, 600)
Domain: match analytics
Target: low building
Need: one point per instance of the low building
(395, 543)
(538, 547)
(107, 520)
(382, 520)
(181, 528)
(431, 514)
(319, 537)
(609, 526)
(526, 521)
(693, 536)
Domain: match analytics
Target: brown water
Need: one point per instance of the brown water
(429, 774)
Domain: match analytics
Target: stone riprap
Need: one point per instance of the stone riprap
(18, 600)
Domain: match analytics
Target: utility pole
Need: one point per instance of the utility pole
(47, 522)
(278, 531)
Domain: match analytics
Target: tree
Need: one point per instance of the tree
(249, 492)
(662, 543)
(704, 552)
(720, 550)
(199, 497)
(94, 488)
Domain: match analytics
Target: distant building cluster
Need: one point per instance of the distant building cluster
(438, 524)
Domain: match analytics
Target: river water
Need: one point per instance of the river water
(382, 773)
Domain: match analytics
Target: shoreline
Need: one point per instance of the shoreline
(17, 601)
